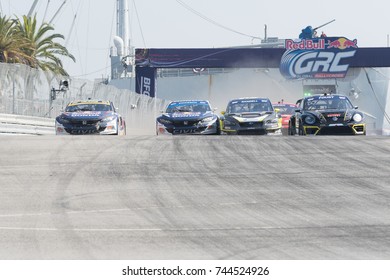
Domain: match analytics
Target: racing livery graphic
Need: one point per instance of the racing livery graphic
(326, 114)
(90, 117)
(250, 116)
(317, 58)
(188, 117)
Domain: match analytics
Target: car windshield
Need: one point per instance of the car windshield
(249, 106)
(285, 110)
(188, 107)
(327, 103)
(88, 107)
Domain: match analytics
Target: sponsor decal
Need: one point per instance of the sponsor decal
(184, 131)
(85, 114)
(305, 44)
(188, 102)
(249, 101)
(317, 58)
(146, 81)
(145, 86)
(83, 131)
(186, 114)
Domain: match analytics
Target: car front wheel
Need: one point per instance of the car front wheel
(291, 129)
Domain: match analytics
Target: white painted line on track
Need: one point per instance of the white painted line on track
(114, 210)
(132, 229)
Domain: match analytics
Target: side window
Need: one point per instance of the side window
(299, 104)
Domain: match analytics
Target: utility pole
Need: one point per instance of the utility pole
(64, 86)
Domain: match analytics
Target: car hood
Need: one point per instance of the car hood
(86, 115)
(187, 115)
(252, 117)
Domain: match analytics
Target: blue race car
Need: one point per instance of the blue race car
(90, 117)
(188, 117)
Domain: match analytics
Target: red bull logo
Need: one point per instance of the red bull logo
(305, 44)
(342, 44)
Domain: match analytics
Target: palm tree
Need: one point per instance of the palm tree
(14, 48)
(44, 50)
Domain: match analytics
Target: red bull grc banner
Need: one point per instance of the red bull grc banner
(317, 58)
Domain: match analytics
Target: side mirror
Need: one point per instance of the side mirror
(356, 107)
(297, 110)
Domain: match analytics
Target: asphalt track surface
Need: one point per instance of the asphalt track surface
(195, 197)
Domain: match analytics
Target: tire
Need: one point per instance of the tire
(300, 129)
(218, 128)
(291, 130)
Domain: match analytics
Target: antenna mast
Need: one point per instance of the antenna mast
(122, 24)
(32, 8)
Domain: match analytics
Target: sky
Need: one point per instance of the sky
(89, 25)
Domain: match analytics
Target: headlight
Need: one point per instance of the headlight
(62, 120)
(164, 121)
(357, 117)
(310, 119)
(229, 123)
(272, 121)
(271, 124)
(208, 119)
(109, 119)
(348, 116)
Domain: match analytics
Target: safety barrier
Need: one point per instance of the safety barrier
(27, 92)
(17, 124)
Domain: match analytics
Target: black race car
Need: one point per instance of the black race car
(251, 116)
(326, 114)
(188, 117)
(90, 117)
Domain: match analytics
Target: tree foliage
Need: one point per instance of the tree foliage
(25, 41)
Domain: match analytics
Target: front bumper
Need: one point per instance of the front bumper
(252, 128)
(104, 128)
(340, 129)
(207, 128)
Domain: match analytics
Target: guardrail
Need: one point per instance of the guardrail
(18, 124)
